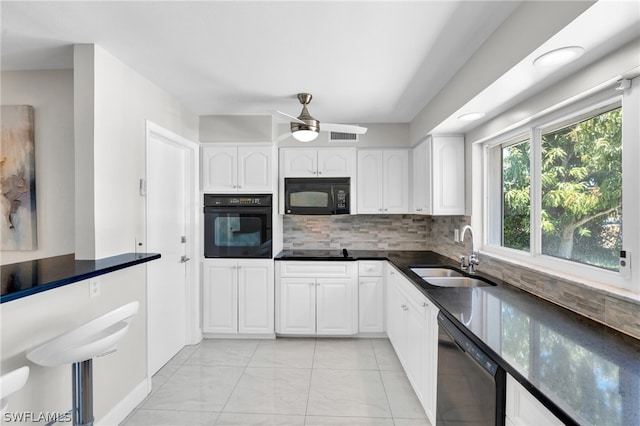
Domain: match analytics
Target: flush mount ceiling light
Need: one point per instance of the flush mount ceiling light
(472, 116)
(558, 56)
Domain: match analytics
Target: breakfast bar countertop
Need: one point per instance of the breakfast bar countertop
(26, 278)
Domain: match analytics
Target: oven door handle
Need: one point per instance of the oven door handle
(238, 210)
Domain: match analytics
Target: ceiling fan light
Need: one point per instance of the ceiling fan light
(305, 132)
(305, 135)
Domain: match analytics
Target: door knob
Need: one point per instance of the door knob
(184, 259)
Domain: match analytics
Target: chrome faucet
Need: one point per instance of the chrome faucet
(473, 257)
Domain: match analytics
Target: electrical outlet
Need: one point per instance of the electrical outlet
(456, 235)
(625, 264)
(94, 287)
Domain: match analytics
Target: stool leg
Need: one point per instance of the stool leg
(82, 393)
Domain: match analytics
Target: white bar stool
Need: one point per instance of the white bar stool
(78, 347)
(11, 382)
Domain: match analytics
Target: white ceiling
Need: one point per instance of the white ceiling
(364, 61)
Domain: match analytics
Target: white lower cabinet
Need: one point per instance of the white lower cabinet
(316, 298)
(238, 296)
(371, 296)
(524, 409)
(412, 327)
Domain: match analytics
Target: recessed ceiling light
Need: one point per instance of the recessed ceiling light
(558, 56)
(472, 116)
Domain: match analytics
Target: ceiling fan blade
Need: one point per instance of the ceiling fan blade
(290, 117)
(343, 128)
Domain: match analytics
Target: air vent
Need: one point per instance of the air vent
(343, 137)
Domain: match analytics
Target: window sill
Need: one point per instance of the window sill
(541, 268)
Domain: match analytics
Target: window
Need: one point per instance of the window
(581, 180)
(554, 191)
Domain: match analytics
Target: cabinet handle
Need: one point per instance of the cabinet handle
(386, 210)
(319, 172)
(312, 283)
(404, 307)
(425, 304)
(418, 210)
(379, 210)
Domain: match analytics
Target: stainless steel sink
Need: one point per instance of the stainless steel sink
(436, 272)
(456, 282)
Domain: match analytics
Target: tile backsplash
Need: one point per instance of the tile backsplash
(614, 310)
(357, 232)
(412, 232)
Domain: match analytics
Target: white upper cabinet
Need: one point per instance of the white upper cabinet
(227, 168)
(383, 181)
(438, 176)
(317, 162)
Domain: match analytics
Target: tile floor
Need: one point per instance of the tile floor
(295, 381)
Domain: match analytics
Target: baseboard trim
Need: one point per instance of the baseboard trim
(126, 406)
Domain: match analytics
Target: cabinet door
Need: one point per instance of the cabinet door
(370, 180)
(395, 186)
(255, 296)
(421, 157)
(255, 171)
(396, 321)
(523, 409)
(297, 306)
(416, 354)
(219, 169)
(300, 162)
(336, 306)
(336, 162)
(220, 296)
(448, 175)
(430, 386)
(371, 304)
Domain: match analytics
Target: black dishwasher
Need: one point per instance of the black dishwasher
(471, 386)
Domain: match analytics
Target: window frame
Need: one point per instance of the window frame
(533, 129)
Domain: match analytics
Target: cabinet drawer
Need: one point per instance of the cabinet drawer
(317, 269)
(372, 268)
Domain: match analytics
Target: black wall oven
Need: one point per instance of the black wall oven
(237, 225)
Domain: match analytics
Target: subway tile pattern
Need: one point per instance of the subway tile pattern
(615, 311)
(357, 232)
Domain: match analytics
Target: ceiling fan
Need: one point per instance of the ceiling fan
(305, 128)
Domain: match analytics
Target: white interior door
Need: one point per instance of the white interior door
(167, 233)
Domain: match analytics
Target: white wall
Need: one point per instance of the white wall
(50, 93)
(111, 151)
(107, 134)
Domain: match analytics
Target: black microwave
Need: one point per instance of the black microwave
(321, 196)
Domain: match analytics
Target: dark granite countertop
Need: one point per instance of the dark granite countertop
(27, 278)
(583, 371)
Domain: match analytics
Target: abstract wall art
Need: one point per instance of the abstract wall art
(17, 179)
